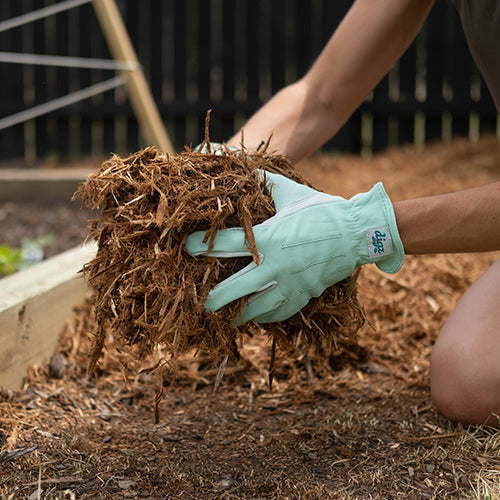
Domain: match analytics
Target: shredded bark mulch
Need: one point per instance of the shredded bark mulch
(150, 292)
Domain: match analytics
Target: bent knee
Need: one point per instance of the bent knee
(465, 364)
(463, 389)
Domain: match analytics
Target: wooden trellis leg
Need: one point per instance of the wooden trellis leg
(121, 49)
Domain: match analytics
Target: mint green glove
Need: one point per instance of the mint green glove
(216, 148)
(313, 241)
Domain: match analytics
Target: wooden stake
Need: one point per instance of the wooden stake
(140, 96)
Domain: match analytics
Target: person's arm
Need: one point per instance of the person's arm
(465, 221)
(366, 44)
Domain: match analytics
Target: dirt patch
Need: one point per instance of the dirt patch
(360, 426)
(67, 224)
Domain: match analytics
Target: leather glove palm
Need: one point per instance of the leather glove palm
(314, 241)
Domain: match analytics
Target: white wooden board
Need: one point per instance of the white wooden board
(34, 306)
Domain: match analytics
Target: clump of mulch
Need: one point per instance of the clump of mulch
(149, 291)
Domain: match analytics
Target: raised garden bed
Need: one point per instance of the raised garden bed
(36, 302)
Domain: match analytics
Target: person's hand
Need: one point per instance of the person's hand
(314, 241)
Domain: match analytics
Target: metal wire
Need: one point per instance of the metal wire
(60, 102)
(40, 14)
(65, 61)
(68, 62)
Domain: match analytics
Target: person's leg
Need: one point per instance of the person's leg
(465, 363)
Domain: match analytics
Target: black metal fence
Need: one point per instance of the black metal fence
(229, 56)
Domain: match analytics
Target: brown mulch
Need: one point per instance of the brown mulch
(150, 292)
(361, 425)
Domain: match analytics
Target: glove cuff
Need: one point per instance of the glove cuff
(380, 242)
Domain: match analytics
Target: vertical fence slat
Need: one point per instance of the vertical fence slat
(436, 51)
(180, 62)
(152, 30)
(11, 138)
(28, 84)
(202, 46)
(265, 27)
(230, 39)
(460, 76)
(201, 51)
(235, 21)
(73, 47)
(277, 44)
(348, 138)
(303, 34)
(251, 55)
(62, 77)
(405, 95)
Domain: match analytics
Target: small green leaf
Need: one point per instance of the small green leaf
(10, 259)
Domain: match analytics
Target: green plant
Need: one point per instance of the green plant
(10, 259)
(30, 253)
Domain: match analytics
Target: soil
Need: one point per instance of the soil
(66, 224)
(361, 426)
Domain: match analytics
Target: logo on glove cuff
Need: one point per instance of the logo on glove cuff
(379, 241)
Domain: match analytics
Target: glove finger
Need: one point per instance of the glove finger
(263, 301)
(247, 281)
(283, 190)
(275, 308)
(228, 243)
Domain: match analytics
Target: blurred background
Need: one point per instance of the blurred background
(229, 56)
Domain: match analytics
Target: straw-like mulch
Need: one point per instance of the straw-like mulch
(149, 291)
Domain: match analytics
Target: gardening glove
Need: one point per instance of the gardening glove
(313, 241)
(215, 148)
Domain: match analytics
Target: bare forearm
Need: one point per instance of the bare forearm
(465, 221)
(280, 120)
(306, 114)
(295, 120)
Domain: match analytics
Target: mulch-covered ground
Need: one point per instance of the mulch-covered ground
(360, 426)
